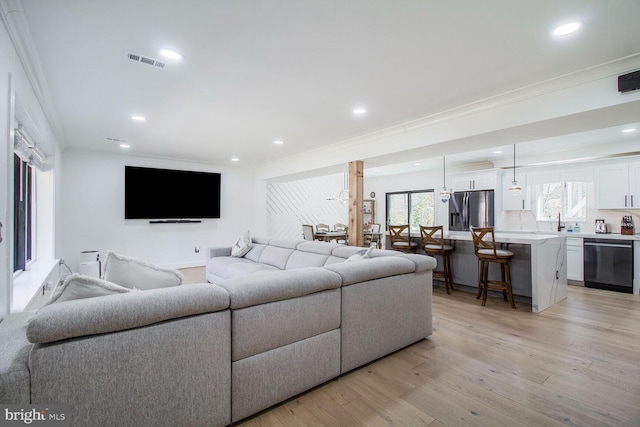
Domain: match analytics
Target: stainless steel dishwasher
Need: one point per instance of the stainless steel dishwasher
(608, 264)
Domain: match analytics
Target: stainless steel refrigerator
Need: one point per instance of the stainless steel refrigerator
(471, 208)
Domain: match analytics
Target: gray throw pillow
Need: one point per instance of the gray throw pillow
(242, 245)
(135, 274)
(78, 286)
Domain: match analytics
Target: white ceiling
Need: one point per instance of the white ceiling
(259, 70)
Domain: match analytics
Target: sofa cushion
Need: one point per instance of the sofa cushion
(278, 285)
(301, 259)
(255, 252)
(242, 245)
(317, 247)
(123, 311)
(264, 327)
(356, 272)
(133, 273)
(276, 256)
(78, 286)
(231, 267)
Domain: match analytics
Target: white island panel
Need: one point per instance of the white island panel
(548, 259)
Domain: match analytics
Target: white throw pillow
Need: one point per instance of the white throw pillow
(242, 245)
(78, 286)
(136, 274)
(362, 254)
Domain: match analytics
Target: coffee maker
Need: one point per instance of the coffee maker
(602, 227)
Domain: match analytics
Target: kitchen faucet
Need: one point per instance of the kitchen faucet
(560, 226)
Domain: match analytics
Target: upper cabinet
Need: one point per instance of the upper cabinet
(618, 186)
(474, 181)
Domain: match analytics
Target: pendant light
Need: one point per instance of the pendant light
(343, 196)
(445, 194)
(515, 189)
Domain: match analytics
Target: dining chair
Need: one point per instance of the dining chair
(484, 245)
(367, 232)
(343, 228)
(433, 244)
(322, 228)
(372, 235)
(402, 242)
(307, 232)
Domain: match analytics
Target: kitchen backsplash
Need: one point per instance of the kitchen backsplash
(526, 221)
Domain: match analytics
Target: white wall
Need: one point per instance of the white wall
(92, 212)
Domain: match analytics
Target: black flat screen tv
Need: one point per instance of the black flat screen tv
(170, 194)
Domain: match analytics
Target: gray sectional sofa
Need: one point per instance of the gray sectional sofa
(285, 317)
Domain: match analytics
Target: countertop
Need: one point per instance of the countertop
(508, 237)
(580, 234)
(540, 236)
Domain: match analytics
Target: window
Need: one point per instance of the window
(22, 213)
(568, 199)
(411, 207)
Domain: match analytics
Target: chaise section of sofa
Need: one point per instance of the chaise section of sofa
(285, 335)
(158, 357)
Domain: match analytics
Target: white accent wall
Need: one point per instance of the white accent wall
(291, 204)
(93, 212)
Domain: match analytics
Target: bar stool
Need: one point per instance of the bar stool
(484, 245)
(400, 242)
(432, 240)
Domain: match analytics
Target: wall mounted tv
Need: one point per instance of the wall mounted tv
(170, 194)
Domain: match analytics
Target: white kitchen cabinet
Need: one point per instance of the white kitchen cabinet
(474, 181)
(518, 202)
(575, 257)
(618, 186)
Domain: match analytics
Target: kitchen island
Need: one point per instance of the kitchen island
(538, 267)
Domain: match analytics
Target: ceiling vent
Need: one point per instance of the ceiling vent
(145, 59)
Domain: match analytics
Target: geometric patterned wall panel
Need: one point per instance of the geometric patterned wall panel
(291, 204)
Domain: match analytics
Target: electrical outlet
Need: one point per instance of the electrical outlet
(197, 249)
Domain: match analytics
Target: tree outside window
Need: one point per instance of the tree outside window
(411, 207)
(569, 199)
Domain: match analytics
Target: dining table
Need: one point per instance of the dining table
(327, 236)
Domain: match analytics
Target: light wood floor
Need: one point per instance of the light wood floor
(577, 364)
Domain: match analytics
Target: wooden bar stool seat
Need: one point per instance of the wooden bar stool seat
(401, 242)
(487, 252)
(432, 240)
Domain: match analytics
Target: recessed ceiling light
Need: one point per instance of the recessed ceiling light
(138, 118)
(629, 130)
(567, 28)
(497, 152)
(235, 159)
(171, 54)
(359, 111)
(125, 146)
(278, 142)
(417, 164)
